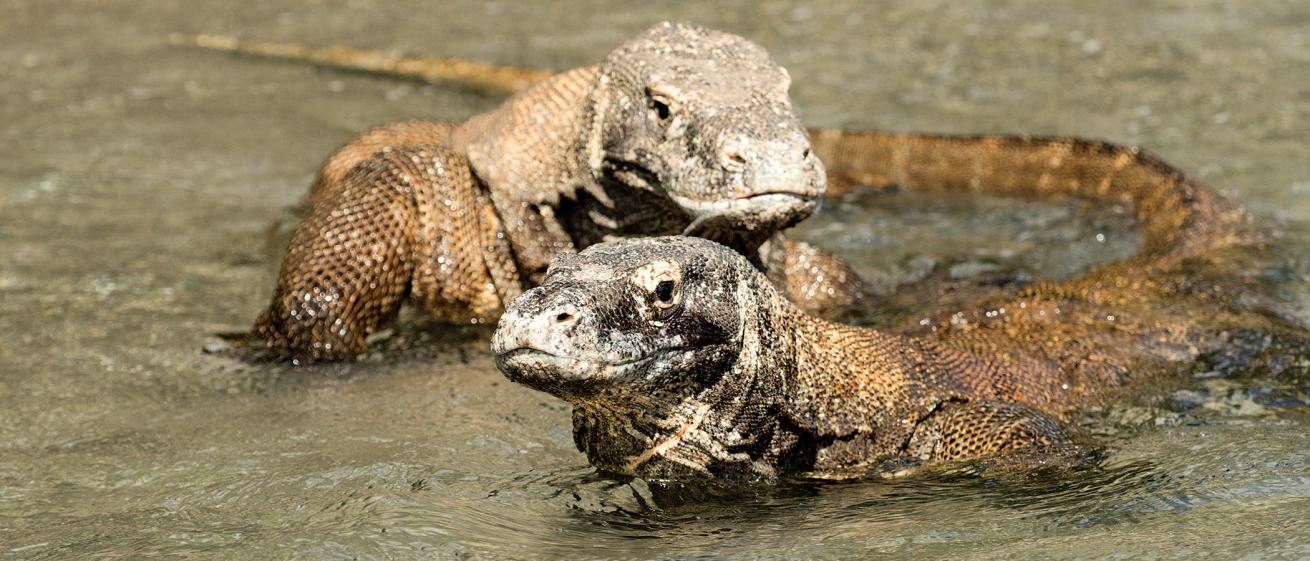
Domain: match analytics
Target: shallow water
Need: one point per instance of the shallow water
(140, 184)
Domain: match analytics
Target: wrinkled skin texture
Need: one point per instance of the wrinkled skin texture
(1181, 218)
(681, 130)
(682, 360)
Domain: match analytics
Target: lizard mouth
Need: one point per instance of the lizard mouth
(746, 222)
(562, 375)
(770, 210)
(760, 211)
(542, 370)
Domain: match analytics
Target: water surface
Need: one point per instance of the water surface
(142, 185)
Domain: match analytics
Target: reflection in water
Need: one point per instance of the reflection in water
(136, 201)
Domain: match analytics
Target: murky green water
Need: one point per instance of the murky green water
(139, 183)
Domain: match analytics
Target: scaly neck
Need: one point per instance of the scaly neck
(527, 146)
(527, 153)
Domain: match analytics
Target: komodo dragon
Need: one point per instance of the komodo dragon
(681, 130)
(1179, 216)
(682, 361)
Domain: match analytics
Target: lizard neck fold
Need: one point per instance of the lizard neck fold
(719, 420)
(798, 395)
(851, 395)
(526, 152)
(527, 145)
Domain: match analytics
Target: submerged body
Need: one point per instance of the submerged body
(682, 361)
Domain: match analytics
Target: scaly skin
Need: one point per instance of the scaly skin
(682, 360)
(1180, 216)
(1034, 167)
(682, 130)
(729, 378)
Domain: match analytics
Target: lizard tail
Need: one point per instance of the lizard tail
(491, 78)
(1180, 217)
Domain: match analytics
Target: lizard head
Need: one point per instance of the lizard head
(627, 314)
(703, 117)
(648, 338)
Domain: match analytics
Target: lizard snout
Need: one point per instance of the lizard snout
(550, 338)
(773, 166)
(539, 321)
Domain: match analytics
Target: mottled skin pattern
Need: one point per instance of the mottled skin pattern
(682, 360)
(1181, 218)
(681, 130)
(727, 377)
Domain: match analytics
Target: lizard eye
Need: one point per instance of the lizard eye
(660, 107)
(655, 289)
(664, 292)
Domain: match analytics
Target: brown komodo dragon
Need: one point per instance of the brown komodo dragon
(681, 130)
(681, 360)
(525, 181)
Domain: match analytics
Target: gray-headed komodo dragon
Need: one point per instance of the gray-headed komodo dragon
(681, 360)
(681, 130)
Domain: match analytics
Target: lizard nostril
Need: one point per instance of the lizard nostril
(732, 159)
(806, 155)
(563, 317)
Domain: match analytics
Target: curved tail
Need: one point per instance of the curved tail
(491, 78)
(1180, 217)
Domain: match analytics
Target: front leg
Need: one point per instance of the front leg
(975, 429)
(407, 222)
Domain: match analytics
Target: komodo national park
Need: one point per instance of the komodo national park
(682, 361)
(682, 130)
